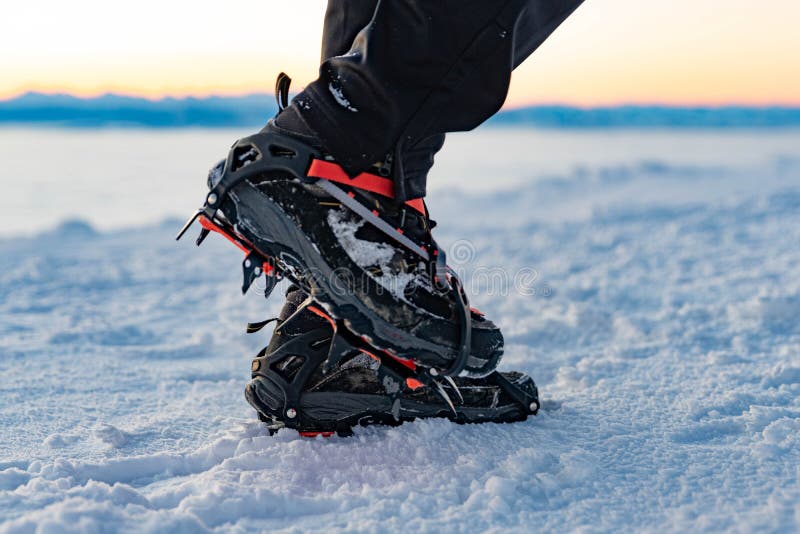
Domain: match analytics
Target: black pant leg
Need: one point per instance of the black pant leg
(536, 21)
(418, 69)
(343, 20)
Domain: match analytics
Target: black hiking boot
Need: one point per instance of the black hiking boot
(367, 260)
(290, 386)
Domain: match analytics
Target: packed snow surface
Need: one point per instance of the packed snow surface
(655, 301)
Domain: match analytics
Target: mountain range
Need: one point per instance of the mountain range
(111, 110)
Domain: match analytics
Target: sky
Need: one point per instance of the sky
(681, 52)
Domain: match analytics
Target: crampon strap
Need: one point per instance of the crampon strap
(334, 172)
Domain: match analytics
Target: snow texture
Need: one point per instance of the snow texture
(338, 95)
(660, 322)
(369, 255)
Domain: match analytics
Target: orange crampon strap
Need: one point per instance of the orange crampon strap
(373, 183)
(314, 434)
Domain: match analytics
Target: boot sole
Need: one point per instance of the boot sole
(340, 412)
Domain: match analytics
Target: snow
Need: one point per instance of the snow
(338, 95)
(662, 331)
(369, 255)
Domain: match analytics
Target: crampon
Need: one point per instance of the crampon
(296, 214)
(317, 379)
(407, 391)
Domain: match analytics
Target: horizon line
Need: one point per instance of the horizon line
(511, 106)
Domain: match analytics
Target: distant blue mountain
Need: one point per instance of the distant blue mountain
(116, 110)
(651, 117)
(254, 110)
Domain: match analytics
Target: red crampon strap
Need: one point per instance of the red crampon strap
(328, 170)
(314, 434)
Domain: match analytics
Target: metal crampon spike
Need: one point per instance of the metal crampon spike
(270, 283)
(188, 223)
(251, 270)
(440, 390)
(274, 426)
(455, 387)
(202, 237)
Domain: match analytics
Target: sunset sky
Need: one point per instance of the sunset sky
(609, 52)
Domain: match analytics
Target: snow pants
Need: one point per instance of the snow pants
(397, 74)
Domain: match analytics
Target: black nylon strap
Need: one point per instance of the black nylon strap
(255, 327)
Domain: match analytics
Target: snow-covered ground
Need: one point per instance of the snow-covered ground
(654, 296)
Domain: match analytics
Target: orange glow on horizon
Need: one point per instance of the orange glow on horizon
(524, 91)
(608, 53)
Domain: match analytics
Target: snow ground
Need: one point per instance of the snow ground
(659, 318)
